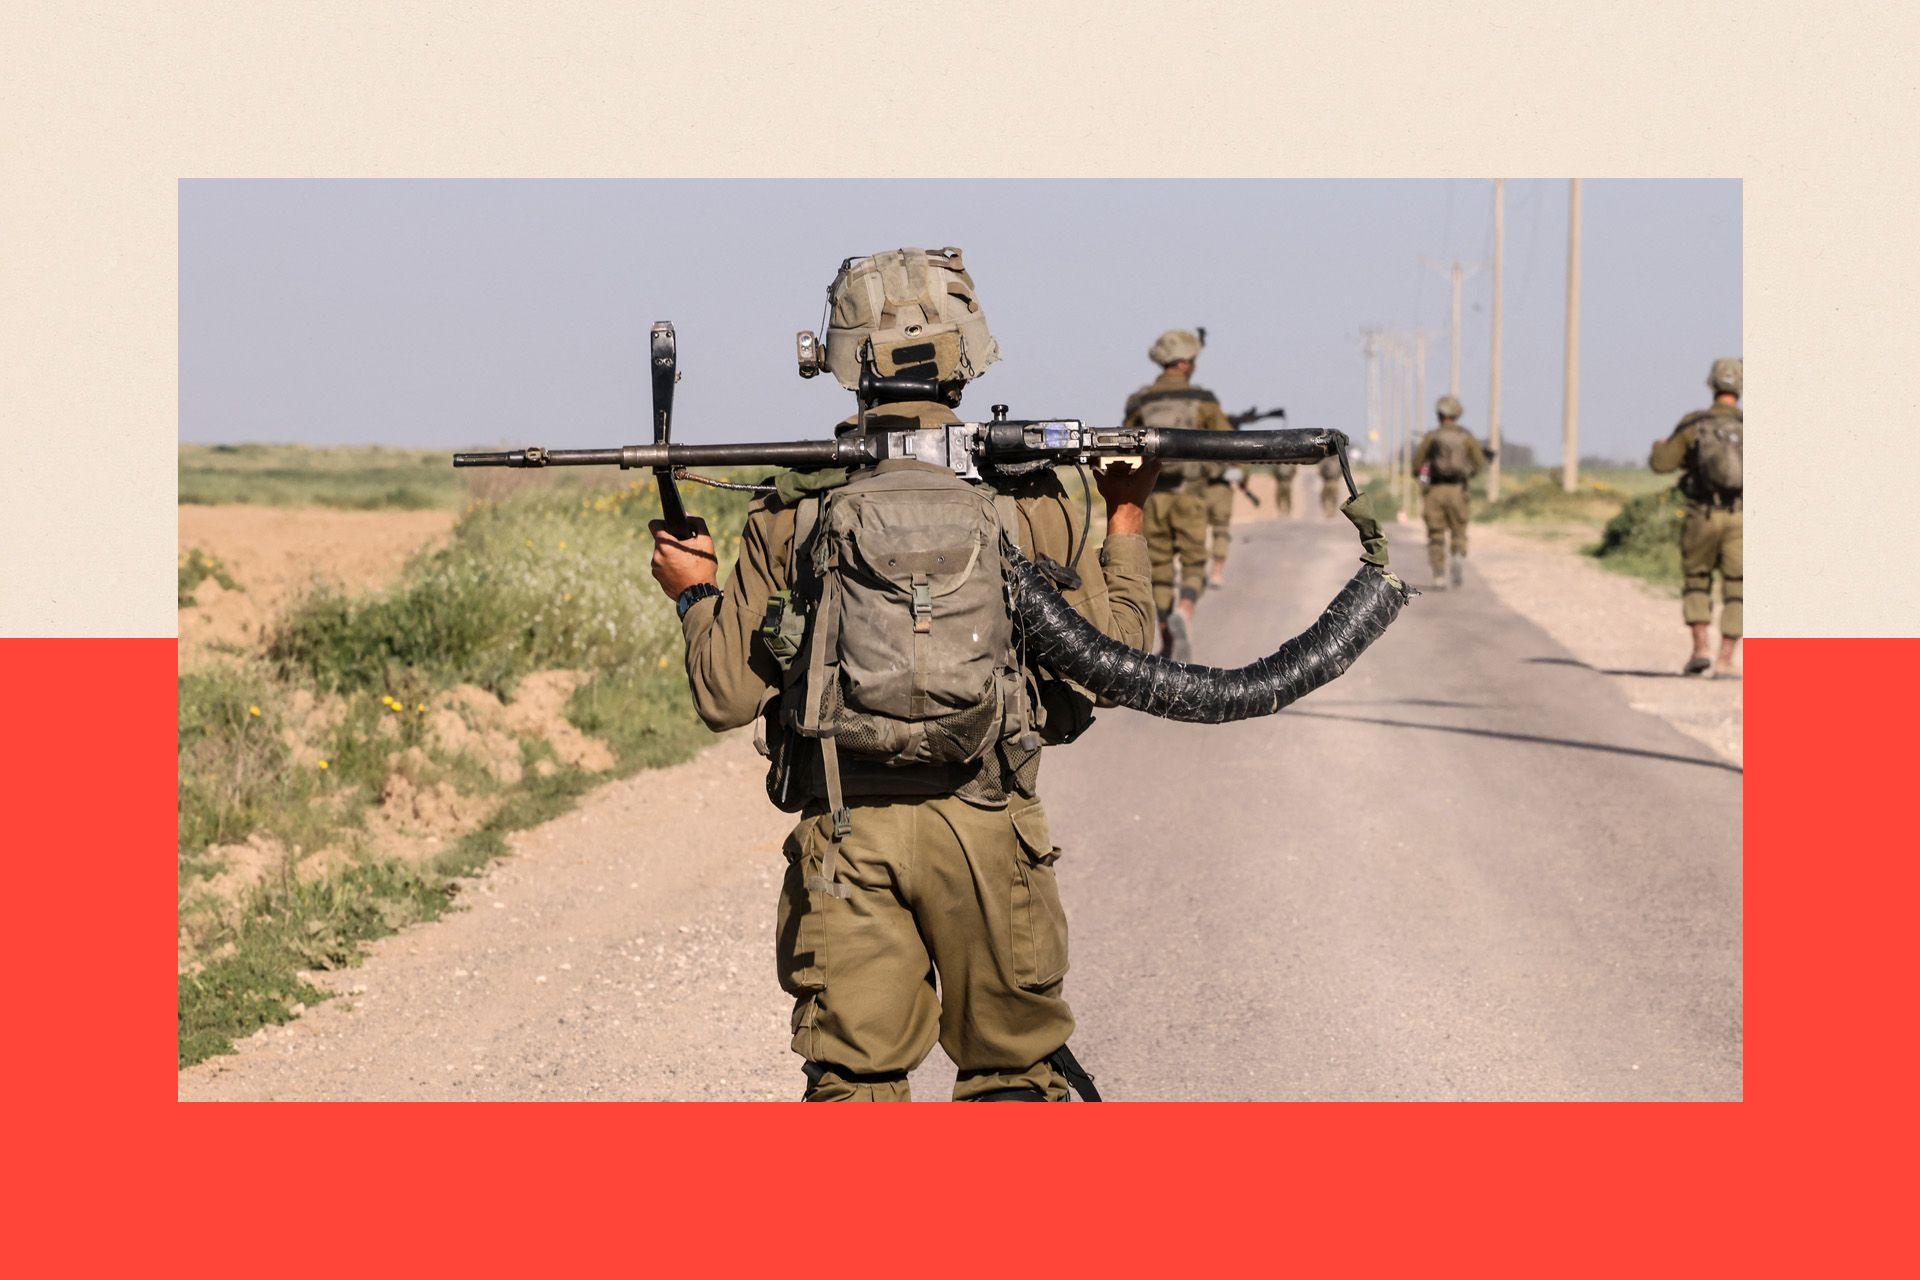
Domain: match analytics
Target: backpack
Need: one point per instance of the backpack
(896, 638)
(1451, 460)
(1716, 454)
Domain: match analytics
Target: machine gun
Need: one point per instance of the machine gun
(973, 450)
(1056, 635)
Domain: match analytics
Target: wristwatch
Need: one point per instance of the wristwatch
(694, 595)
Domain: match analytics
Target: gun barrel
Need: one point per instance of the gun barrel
(1296, 444)
(844, 451)
(535, 456)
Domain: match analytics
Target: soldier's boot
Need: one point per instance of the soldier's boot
(1700, 663)
(1218, 577)
(1456, 574)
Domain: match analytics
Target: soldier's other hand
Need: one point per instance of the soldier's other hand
(679, 563)
(1125, 483)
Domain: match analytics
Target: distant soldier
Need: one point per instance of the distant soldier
(1706, 449)
(1176, 512)
(1283, 477)
(1448, 457)
(1332, 487)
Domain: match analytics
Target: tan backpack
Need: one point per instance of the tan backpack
(898, 647)
(1451, 459)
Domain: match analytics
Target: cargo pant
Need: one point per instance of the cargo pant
(1219, 500)
(941, 891)
(1283, 491)
(1710, 542)
(1445, 510)
(1176, 528)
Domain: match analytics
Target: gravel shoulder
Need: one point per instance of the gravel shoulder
(1618, 626)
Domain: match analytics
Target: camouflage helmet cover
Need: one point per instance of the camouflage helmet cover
(1725, 376)
(912, 312)
(1447, 407)
(1174, 345)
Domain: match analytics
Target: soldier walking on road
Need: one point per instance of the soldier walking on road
(1177, 511)
(1283, 480)
(1332, 488)
(1448, 457)
(865, 628)
(1706, 449)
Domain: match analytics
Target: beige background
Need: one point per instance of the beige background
(104, 106)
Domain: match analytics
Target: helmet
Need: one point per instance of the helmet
(1175, 345)
(1447, 407)
(1725, 375)
(912, 313)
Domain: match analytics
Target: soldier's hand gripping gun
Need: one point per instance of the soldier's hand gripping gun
(1055, 634)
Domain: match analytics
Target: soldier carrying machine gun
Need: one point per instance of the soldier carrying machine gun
(916, 611)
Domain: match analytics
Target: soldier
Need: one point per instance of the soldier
(1447, 458)
(934, 861)
(1284, 474)
(1332, 487)
(1177, 514)
(1706, 449)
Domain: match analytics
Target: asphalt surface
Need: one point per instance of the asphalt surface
(1466, 870)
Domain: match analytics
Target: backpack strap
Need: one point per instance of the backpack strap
(825, 635)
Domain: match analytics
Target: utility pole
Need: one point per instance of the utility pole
(1409, 429)
(1417, 417)
(1493, 388)
(1457, 274)
(1570, 412)
(1372, 350)
(1391, 415)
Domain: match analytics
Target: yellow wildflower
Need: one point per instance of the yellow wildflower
(323, 764)
(253, 711)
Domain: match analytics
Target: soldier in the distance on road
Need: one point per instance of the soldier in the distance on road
(1283, 479)
(1706, 449)
(1333, 489)
(1448, 457)
(923, 851)
(1177, 512)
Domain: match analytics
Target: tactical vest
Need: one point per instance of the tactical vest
(1175, 408)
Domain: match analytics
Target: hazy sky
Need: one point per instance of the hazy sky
(450, 313)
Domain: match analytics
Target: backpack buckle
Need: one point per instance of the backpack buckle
(922, 606)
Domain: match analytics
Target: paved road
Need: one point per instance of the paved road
(1466, 870)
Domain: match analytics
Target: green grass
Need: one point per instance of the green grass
(547, 576)
(196, 566)
(356, 478)
(1643, 539)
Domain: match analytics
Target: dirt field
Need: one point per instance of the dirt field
(275, 554)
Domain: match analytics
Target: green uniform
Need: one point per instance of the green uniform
(1710, 531)
(949, 869)
(1283, 478)
(1219, 500)
(1333, 488)
(1177, 511)
(1451, 457)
